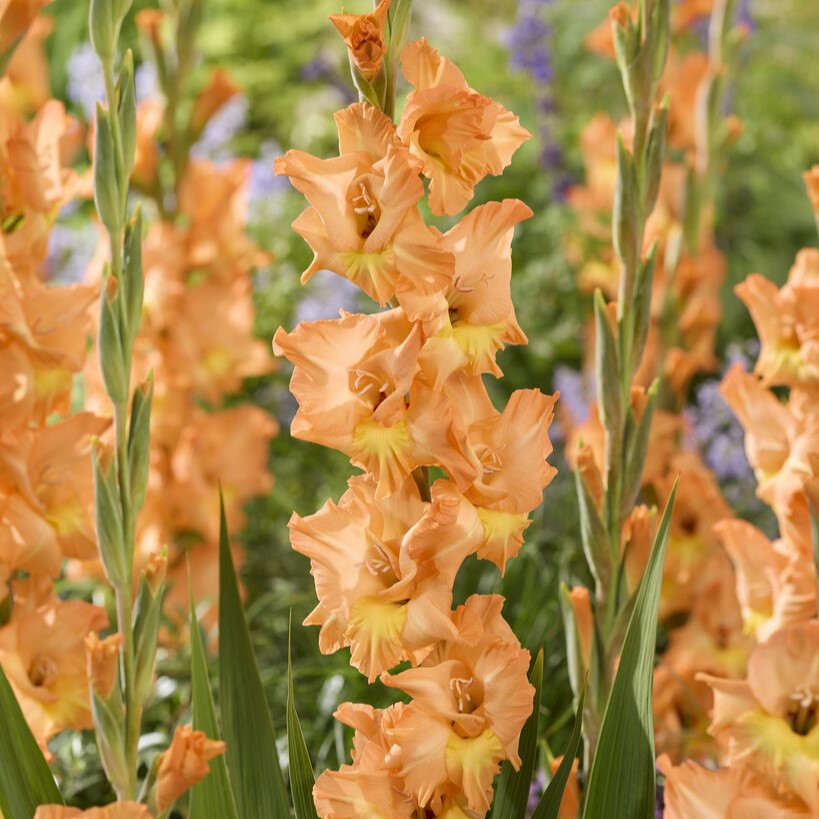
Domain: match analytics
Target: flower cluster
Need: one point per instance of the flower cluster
(46, 493)
(764, 718)
(399, 392)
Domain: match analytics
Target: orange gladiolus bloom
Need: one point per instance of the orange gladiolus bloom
(183, 765)
(384, 570)
(768, 721)
(364, 223)
(470, 701)
(478, 314)
(116, 810)
(459, 135)
(776, 583)
(364, 36)
(356, 381)
(42, 652)
(369, 787)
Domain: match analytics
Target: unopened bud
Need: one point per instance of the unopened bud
(106, 184)
(364, 35)
(112, 352)
(625, 208)
(108, 515)
(139, 442)
(134, 281)
(126, 111)
(147, 612)
(103, 663)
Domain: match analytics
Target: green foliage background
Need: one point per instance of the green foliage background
(763, 218)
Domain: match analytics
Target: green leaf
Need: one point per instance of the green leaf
(252, 757)
(549, 805)
(622, 781)
(25, 779)
(512, 790)
(213, 797)
(301, 769)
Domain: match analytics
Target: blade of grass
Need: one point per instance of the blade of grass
(512, 791)
(622, 781)
(252, 756)
(25, 778)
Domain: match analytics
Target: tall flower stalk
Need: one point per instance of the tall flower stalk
(401, 392)
(606, 499)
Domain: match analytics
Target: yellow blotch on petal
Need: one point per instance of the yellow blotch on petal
(503, 535)
(375, 634)
(372, 272)
(473, 762)
(480, 343)
(66, 518)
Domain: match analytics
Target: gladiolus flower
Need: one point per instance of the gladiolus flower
(183, 765)
(116, 810)
(364, 223)
(356, 381)
(103, 662)
(768, 721)
(384, 571)
(459, 135)
(43, 654)
(364, 36)
(470, 701)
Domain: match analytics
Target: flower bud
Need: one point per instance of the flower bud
(655, 154)
(625, 215)
(636, 448)
(106, 177)
(147, 613)
(593, 533)
(183, 765)
(134, 287)
(103, 663)
(112, 353)
(108, 515)
(126, 111)
(606, 367)
(103, 28)
(364, 36)
(811, 179)
(139, 442)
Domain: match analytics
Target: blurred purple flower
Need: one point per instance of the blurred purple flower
(265, 187)
(215, 142)
(86, 82)
(576, 391)
(536, 789)
(70, 251)
(146, 82)
(327, 293)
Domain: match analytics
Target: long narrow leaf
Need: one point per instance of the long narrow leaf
(512, 792)
(622, 781)
(252, 757)
(25, 779)
(213, 797)
(549, 805)
(302, 778)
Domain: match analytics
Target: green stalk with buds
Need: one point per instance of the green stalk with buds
(120, 476)
(641, 47)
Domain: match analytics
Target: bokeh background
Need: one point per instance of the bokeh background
(530, 55)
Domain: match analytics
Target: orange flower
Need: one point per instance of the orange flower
(116, 810)
(368, 787)
(183, 765)
(383, 574)
(776, 585)
(45, 476)
(43, 654)
(364, 223)
(364, 36)
(15, 17)
(779, 438)
(479, 315)
(459, 135)
(103, 662)
(471, 699)
(768, 721)
(694, 792)
(356, 382)
(811, 179)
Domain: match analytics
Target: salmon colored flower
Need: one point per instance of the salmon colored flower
(694, 792)
(42, 652)
(368, 787)
(219, 89)
(779, 438)
(356, 382)
(183, 765)
(512, 447)
(103, 662)
(384, 571)
(15, 17)
(811, 179)
(478, 314)
(364, 223)
(459, 135)
(364, 36)
(470, 701)
(116, 810)
(768, 721)
(776, 585)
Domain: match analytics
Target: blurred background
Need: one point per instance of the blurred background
(530, 55)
